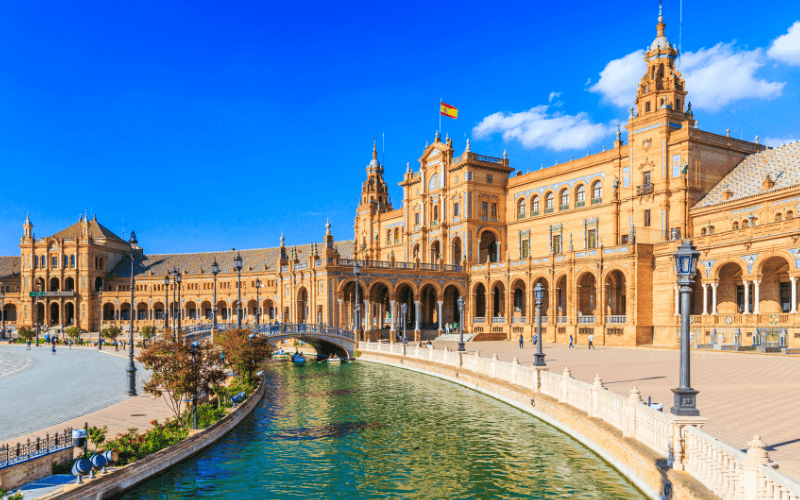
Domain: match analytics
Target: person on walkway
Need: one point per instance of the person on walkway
(29, 345)
(591, 342)
(54, 349)
(535, 339)
(570, 343)
(521, 341)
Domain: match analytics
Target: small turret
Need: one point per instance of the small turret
(27, 227)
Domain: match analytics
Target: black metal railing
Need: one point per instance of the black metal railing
(644, 189)
(13, 454)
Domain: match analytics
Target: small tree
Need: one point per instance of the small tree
(73, 332)
(242, 353)
(173, 375)
(110, 332)
(147, 333)
(26, 333)
(97, 435)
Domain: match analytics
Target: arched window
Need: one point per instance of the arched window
(778, 217)
(521, 209)
(564, 199)
(436, 212)
(535, 206)
(744, 223)
(397, 235)
(703, 232)
(389, 237)
(597, 192)
(549, 202)
(790, 214)
(735, 225)
(580, 196)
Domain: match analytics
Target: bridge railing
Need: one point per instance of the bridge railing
(281, 328)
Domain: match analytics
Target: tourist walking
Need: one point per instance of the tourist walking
(521, 341)
(591, 342)
(535, 339)
(29, 345)
(570, 343)
(54, 349)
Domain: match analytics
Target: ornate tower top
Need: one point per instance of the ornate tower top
(374, 189)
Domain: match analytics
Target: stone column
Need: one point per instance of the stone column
(367, 317)
(746, 297)
(393, 322)
(340, 314)
(793, 279)
(705, 299)
(756, 296)
(677, 301)
(714, 298)
(440, 316)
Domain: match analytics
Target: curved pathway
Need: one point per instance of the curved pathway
(40, 390)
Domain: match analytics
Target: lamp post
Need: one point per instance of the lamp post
(131, 370)
(2, 312)
(685, 268)
(99, 330)
(178, 280)
(237, 264)
(404, 309)
(538, 294)
(250, 339)
(461, 347)
(356, 272)
(258, 299)
(215, 272)
(194, 345)
(174, 274)
(166, 303)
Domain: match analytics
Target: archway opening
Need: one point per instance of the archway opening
(561, 297)
(730, 291)
(54, 314)
(488, 247)
(108, 312)
(587, 295)
(69, 285)
(405, 296)
(69, 313)
(435, 251)
(520, 298)
(775, 289)
(480, 301)
(429, 308)
(54, 284)
(450, 312)
(379, 315)
(498, 300)
(616, 306)
(456, 252)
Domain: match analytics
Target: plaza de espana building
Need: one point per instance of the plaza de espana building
(598, 232)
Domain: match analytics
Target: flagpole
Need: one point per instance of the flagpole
(440, 116)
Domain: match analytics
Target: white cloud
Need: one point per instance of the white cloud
(715, 77)
(552, 96)
(778, 141)
(619, 78)
(786, 48)
(539, 128)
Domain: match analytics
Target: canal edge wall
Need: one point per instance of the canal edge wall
(124, 478)
(642, 466)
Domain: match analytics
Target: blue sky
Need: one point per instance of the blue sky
(208, 126)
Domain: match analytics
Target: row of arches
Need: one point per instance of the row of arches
(492, 300)
(55, 285)
(563, 197)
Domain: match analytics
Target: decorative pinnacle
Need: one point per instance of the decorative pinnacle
(282, 238)
(374, 149)
(468, 149)
(619, 134)
(505, 153)
(328, 226)
(408, 167)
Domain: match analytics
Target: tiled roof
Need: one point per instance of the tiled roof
(747, 179)
(96, 231)
(9, 266)
(254, 259)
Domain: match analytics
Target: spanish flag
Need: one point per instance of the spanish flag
(448, 110)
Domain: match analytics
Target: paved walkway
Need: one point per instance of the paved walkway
(741, 394)
(41, 391)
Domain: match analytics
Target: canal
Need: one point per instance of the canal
(364, 430)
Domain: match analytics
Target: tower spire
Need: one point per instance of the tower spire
(374, 149)
(660, 26)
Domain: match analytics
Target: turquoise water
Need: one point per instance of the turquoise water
(364, 430)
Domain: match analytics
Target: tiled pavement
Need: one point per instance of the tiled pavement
(741, 394)
(41, 392)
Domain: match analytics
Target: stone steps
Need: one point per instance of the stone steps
(453, 337)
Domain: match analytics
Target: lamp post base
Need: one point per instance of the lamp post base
(131, 371)
(462, 347)
(685, 401)
(538, 359)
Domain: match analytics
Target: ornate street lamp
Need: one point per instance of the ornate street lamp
(166, 303)
(178, 280)
(357, 325)
(461, 347)
(172, 311)
(404, 309)
(237, 265)
(99, 330)
(538, 294)
(131, 370)
(215, 272)
(258, 299)
(685, 268)
(2, 312)
(194, 346)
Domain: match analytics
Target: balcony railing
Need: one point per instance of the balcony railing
(561, 319)
(487, 218)
(68, 293)
(518, 319)
(644, 189)
(488, 159)
(498, 319)
(586, 319)
(452, 267)
(477, 319)
(616, 318)
(429, 267)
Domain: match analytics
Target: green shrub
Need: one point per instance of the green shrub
(132, 446)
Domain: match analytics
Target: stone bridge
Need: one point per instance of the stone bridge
(325, 339)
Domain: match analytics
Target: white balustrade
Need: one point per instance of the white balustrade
(586, 319)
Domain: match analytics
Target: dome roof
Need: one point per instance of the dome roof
(660, 43)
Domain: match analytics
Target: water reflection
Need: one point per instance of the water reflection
(373, 431)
